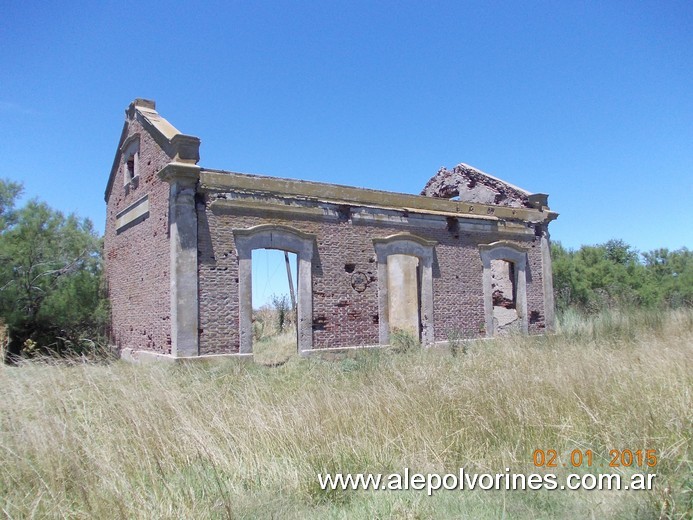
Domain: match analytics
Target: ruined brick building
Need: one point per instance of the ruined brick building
(468, 256)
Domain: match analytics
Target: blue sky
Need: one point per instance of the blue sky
(590, 102)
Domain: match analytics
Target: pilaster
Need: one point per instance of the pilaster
(183, 179)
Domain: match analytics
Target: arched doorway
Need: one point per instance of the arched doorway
(286, 239)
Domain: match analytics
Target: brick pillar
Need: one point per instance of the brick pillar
(547, 278)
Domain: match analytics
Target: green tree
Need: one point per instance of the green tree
(50, 272)
(9, 191)
(281, 305)
(613, 274)
(618, 252)
(671, 275)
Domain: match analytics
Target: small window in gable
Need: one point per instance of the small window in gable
(131, 159)
(131, 168)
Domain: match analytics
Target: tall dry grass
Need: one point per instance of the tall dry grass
(232, 440)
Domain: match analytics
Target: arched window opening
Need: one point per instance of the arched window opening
(405, 286)
(504, 296)
(505, 287)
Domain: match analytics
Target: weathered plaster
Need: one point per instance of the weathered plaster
(403, 294)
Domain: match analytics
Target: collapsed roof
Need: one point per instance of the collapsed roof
(468, 184)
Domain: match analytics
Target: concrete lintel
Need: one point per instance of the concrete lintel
(510, 229)
(406, 236)
(134, 138)
(263, 229)
(365, 215)
(429, 220)
(503, 243)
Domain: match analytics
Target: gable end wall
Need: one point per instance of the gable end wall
(137, 258)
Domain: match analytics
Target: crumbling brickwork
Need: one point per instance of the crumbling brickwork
(468, 184)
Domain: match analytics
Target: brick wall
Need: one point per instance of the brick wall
(343, 316)
(137, 259)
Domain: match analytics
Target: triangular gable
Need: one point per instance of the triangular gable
(179, 147)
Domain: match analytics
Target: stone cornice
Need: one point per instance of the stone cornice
(182, 173)
(220, 181)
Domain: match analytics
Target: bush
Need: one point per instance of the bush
(403, 340)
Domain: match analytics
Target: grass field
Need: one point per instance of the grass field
(243, 440)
